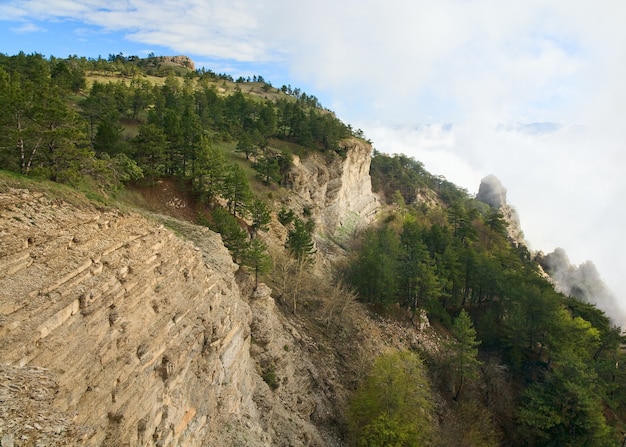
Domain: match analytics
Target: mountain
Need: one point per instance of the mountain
(186, 259)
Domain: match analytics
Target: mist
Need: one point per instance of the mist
(566, 184)
(582, 282)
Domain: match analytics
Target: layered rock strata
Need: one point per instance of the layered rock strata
(115, 331)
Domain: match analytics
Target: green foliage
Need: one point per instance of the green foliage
(209, 175)
(495, 221)
(300, 241)
(40, 134)
(286, 216)
(261, 215)
(163, 129)
(270, 377)
(237, 190)
(564, 409)
(268, 168)
(375, 271)
(149, 147)
(464, 363)
(115, 171)
(109, 136)
(400, 174)
(563, 359)
(384, 431)
(309, 126)
(235, 238)
(417, 279)
(256, 257)
(393, 405)
(246, 146)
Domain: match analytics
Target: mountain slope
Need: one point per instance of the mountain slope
(149, 333)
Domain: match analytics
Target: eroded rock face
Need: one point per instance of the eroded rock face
(141, 335)
(337, 190)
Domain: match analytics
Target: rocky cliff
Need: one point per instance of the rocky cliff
(142, 335)
(116, 331)
(337, 190)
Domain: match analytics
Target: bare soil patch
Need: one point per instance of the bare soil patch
(166, 196)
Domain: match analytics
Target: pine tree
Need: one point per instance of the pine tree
(268, 167)
(256, 257)
(235, 238)
(300, 242)
(149, 147)
(464, 350)
(261, 216)
(237, 190)
(245, 145)
(210, 172)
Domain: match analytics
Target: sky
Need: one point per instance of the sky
(532, 92)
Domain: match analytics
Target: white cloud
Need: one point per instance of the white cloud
(27, 28)
(221, 28)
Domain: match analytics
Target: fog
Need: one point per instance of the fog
(582, 282)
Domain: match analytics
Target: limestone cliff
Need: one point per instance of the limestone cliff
(337, 190)
(115, 331)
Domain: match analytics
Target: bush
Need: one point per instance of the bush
(393, 406)
(285, 216)
(270, 378)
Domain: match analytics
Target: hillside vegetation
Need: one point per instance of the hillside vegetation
(519, 364)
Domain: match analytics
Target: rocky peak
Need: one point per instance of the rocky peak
(493, 193)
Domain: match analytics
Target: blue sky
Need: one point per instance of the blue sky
(462, 85)
(64, 38)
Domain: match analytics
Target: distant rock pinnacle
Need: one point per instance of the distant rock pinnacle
(492, 192)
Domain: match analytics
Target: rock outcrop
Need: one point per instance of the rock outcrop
(582, 282)
(492, 192)
(143, 333)
(337, 190)
(115, 331)
(183, 61)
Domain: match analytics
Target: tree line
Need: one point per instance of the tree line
(54, 127)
